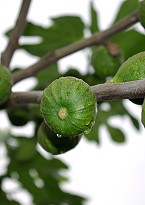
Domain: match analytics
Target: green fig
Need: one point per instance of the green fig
(104, 63)
(68, 106)
(132, 69)
(53, 143)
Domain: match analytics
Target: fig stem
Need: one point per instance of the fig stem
(103, 92)
(12, 45)
(96, 39)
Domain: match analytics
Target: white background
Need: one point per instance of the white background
(109, 173)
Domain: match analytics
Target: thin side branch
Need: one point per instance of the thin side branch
(97, 38)
(103, 92)
(16, 33)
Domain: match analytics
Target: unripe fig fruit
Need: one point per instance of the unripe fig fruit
(142, 13)
(132, 69)
(68, 106)
(104, 63)
(54, 144)
(5, 83)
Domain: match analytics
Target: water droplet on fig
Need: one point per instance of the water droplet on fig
(59, 136)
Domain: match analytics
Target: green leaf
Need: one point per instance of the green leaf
(26, 150)
(46, 76)
(70, 25)
(116, 134)
(125, 9)
(134, 121)
(130, 42)
(37, 174)
(63, 31)
(32, 29)
(106, 111)
(94, 19)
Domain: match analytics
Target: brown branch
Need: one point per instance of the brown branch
(116, 91)
(103, 92)
(16, 33)
(23, 98)
(97, 38)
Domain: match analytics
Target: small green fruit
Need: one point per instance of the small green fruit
(104, 64)
(142, 13)
(5, 84)
(68, 106)
(132, 69)
(54, 144)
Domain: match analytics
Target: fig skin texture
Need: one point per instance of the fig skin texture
(68, 106)
(54, 144)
